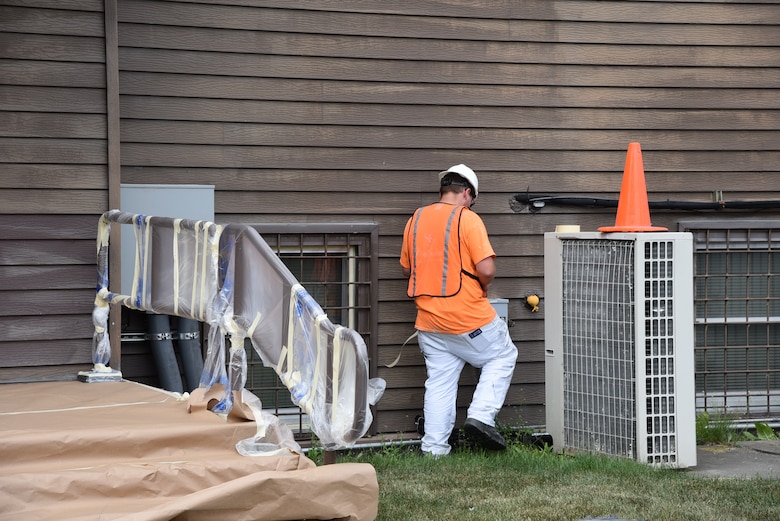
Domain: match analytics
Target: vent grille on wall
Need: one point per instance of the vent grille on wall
(619, 345)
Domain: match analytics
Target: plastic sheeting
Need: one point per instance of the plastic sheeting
(228, 277)
(135, 453)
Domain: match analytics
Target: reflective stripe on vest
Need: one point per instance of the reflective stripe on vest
(436, 265)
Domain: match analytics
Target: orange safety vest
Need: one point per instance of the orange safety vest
(436, 264)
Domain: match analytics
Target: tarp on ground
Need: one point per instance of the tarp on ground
(125, 451)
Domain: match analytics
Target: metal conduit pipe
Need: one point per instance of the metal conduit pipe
(161, 341)
(540, 200)
(190, 351)
(538, 440)
(373, 445)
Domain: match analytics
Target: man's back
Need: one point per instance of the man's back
(438, 248)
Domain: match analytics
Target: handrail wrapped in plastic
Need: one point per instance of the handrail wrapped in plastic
(228, 277)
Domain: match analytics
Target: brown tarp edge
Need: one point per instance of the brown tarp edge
(124, 451)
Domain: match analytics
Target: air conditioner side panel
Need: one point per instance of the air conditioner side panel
(685, 368)
(665, 397)
(553, 339)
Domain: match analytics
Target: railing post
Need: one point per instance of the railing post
(329, 457)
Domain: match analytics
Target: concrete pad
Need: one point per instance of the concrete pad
(750, 459)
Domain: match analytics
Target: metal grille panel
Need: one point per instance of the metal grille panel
(598, 336)
(335, 266)
(659, 355)
(737, 303)
(615, 392)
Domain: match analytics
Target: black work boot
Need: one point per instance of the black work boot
(484, 435)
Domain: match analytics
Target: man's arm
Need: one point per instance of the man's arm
(486, 272)
(405, 252)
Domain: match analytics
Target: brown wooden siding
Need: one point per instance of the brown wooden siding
(322, 111)
(301, 112)
(53, 182)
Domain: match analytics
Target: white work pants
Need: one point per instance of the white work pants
(490, 349)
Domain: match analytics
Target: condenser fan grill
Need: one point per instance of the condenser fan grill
(598, 357)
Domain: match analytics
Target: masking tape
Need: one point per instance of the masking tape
(258, 414)
(255, 322)
(141, 264)
(291, 321)
(195, 305)
(104, 232)
(400, 351)
(211, 256)
(308, 399)
(202, 246)
(336, 373)
(176, 232)
(136, 268)
(280, 365)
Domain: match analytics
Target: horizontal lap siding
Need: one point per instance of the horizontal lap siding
(53, 184)
(324, 111)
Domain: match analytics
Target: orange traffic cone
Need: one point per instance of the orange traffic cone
(633, 211)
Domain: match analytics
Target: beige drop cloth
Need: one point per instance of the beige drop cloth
(124, 451)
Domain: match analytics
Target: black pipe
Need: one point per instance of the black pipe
(545, 199)
(160, 338)
(190, 351)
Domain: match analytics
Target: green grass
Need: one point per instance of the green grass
(525, 483)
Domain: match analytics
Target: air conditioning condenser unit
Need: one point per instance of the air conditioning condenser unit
(619, 366)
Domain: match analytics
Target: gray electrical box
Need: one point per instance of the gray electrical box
(501, 305)
(178, 201)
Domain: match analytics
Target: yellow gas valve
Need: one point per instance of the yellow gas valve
(532, 301)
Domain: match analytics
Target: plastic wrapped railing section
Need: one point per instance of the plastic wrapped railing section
(229, 278)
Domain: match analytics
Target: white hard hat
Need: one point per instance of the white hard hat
(466, 173)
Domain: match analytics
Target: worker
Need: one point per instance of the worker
(450, 263)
